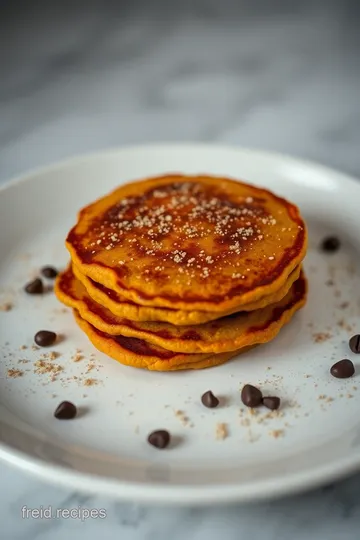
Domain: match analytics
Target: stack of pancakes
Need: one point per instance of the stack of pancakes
(184, 272)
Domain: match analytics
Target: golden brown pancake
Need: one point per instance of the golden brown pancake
(229, 333)
(189, 243)
(140, 354)
(126, 309)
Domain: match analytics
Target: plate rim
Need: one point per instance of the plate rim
(176, 494)
(179, 495)
(170, 146)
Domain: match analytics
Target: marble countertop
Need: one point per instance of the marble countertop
(78, 77)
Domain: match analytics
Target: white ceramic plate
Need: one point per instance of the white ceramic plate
(315, 439)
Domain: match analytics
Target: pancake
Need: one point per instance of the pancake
(189, 242)
(140, 354)
(128, 310)
(229, 333)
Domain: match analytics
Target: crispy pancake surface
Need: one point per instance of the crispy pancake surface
(126, 309)
(189, 242)
(229, 333)
(140, 354)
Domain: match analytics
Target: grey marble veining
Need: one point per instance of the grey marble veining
(81, 76)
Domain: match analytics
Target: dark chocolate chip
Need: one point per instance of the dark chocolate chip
(354, 344)
(209, 400)
(65, 411)
(251, 396)
(330, 244)
(35, 287)
(343, 369)
(159, 439)
(45, 338)
(271, 402)
(49, 272)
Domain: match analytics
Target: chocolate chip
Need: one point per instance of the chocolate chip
(159, 439)
(65, 411)
(271, 402)
(49, 272)
(354, 344)
(251, 396)
(45, 338)
(35, 287)
(209, 400)
(343, 369)
(330, 244)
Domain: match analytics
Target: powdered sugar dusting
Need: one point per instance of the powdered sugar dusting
(172, 226)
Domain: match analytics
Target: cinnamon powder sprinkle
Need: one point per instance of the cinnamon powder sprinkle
(44, 366)
(182, 417)
(7, 306)
(91, 382)
(321, 337)
(14, 373)
(90, 367)
(221, 431)
(276, 433)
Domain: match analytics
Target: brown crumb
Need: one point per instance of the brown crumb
(329, 283)
(343, 324)
(14, 373)
(23, 361)
(221, 431)
(23, 348)
(44, 366)
(90, 367)
(349, 396)
(320, 337)
(84, 396)
(276, 433)
(182, 417)
(35, 348)
(77, 357)
(6, 306)
(307, 376)
(50, 355)
(344, 305)
(91, 382)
